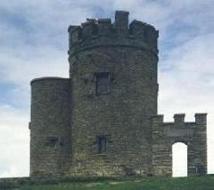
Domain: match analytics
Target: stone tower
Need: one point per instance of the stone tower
(102, 120)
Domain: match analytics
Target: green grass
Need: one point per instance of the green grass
(190, 183)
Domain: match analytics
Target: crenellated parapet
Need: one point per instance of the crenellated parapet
(179, 121)
(102, 32)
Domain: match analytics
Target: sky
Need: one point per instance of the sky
(34, 43)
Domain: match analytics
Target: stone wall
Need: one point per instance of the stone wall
(193, 134)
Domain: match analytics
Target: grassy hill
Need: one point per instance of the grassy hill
(190, 183)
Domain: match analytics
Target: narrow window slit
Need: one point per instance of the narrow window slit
(101, 144)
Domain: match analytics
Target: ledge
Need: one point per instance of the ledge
(48, 78)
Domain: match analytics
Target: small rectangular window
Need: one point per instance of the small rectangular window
(101, 144)
(52, 141)
(102, 83)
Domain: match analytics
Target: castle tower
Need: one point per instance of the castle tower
(102, 120)
(113, 69)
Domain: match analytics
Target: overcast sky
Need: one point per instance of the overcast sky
(34, 43)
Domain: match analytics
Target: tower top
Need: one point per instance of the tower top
(102, 32)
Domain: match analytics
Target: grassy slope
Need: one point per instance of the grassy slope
(191, 183)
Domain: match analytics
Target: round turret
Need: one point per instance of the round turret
(50, 126)
(113, 69)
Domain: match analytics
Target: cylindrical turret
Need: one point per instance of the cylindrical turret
(50, 126)
(114, 90)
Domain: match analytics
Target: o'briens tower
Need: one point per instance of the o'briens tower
(102, 121)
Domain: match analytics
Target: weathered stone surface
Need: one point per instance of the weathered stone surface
(193, 134)
(50, 126)
(103, 120)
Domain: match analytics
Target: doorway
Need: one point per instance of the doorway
(179, 160)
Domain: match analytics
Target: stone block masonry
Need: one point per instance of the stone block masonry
(193, 134)
(102, 120)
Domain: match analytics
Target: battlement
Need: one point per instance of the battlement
(179, 120)
(102, 32)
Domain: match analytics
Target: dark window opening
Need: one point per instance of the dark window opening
(52, 141)
(199, 169)
(101, 144)
(102, 83)
(62, 142)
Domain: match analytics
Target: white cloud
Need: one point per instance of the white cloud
(33, 63)
(190, 72)
(14, 142)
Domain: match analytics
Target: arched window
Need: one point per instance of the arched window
(179, 160)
